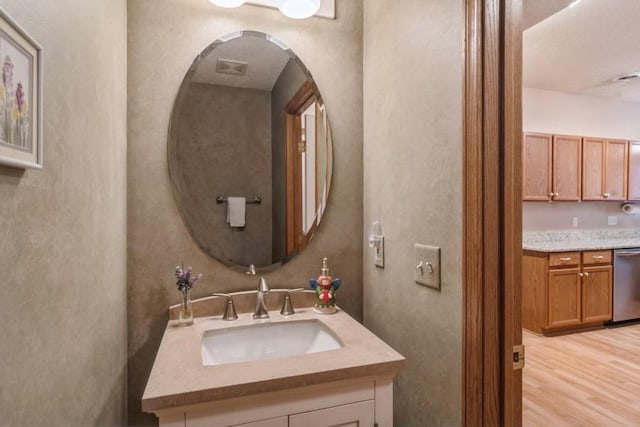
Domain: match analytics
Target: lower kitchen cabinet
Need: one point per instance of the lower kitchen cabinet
(564, 298)
(566, 291)
(597, 294)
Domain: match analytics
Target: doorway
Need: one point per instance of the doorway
(577, 95)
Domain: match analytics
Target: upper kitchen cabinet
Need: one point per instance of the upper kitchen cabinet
(552, 166)
(634, 170)
(604, 169)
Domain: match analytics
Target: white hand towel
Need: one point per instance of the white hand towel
(236, 211)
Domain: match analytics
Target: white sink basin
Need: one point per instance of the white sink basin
(266, 341)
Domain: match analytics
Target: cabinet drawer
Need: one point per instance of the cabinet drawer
(596, 257)
(564, 259)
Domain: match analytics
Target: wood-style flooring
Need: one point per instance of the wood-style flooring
(583, 379)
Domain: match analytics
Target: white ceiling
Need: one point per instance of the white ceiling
(581, 49)
(266, 61)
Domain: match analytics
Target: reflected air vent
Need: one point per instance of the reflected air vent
(627, 77)
(229, 66)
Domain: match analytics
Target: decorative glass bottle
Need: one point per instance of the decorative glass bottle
(185, 318)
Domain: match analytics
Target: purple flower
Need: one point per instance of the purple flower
(185, 279)
(7, 72)
(20, 97)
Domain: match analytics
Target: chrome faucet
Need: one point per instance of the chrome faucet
(261, 311)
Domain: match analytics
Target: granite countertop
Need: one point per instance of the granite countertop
(178, 377)
(573, 240)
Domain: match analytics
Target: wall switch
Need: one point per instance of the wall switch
(575, 221)
(378, 252)
(612, 220)
(427, 266)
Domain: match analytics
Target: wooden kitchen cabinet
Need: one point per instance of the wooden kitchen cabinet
(634, 171)
(536, 164)
(605, 165)
(566, 291)
(551, 167)
(564, 298)
(597, 289)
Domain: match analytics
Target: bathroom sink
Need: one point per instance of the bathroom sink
(266, 341)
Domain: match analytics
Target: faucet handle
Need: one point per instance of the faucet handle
(230, 309)
(287, 305)
(252, 270)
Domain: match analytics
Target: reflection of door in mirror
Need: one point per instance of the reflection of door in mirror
(306, 157)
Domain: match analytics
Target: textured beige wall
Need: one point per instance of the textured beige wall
(413, 68)
(63, 228)
(164, 38)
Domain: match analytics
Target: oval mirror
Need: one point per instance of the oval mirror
(250, 152)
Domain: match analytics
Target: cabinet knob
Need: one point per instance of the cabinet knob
(565, 259)
(597, 257)
(606, 195)
(551, 195)
(581, 274)
(556, 194)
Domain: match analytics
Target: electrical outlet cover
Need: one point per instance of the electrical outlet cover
(427, 266)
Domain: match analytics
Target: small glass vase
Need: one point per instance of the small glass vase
(185, 318)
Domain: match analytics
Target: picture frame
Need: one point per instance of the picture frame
(20, 97)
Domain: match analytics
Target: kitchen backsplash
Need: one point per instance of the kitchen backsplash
(550, 216)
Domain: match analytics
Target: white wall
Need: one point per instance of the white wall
(563, 113)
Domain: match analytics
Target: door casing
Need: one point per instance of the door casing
(492, 224)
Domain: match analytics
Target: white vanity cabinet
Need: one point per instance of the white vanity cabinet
(345, 386)
(354, 414)
(272, 422)
(364, 402)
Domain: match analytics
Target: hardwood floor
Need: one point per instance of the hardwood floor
(583, 379)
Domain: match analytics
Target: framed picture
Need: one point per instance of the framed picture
(20, 96)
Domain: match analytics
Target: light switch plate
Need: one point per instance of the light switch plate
(427, 266)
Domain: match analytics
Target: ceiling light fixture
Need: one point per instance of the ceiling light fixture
(299, 9)
(228, 3)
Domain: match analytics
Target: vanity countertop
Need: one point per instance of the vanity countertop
(564, 241)
(178, 377)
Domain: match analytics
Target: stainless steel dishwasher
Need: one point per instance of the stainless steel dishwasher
(626, 284)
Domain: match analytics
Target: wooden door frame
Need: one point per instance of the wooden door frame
(492, 224)
(306, 95)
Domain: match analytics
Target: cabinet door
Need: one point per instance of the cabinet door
(272, 422)
(536, 164)
(351, 415)
(564, 298)
(593, 168)
(634, 170)
(616, 172)
(596, 294)
(567, 167)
